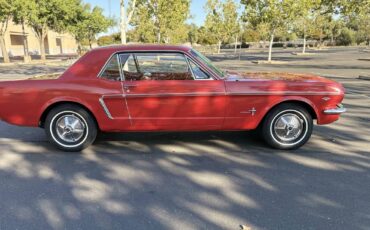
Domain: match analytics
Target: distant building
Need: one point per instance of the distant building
(55, 43)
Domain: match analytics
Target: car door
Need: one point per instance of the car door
(111, 97)
(168, 91)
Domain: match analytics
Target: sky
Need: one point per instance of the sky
(112, 7)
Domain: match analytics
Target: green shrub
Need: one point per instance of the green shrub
(346, 37)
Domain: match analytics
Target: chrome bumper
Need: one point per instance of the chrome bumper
(340, 109)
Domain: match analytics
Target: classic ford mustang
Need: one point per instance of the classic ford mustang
(168, 88)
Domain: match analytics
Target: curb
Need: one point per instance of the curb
(303, 54)
(269, 63)
(364, 77)
(46, 62)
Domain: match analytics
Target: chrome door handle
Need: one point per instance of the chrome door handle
(127, 87)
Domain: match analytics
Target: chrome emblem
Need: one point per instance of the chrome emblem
(251, 111)
(326, 98)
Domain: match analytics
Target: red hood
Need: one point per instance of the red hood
(281, 83)
(275, 76)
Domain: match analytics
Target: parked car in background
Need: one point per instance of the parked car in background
(168, 88)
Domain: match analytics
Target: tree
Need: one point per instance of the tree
(125, 20)
(88, 23)
(50, 14)
(236, 34)
(346, 37)
(362, 26)
(357, 16)
(163, 19)
(193, 33)
(109, 39)
(20, 13)
(351, 7)
(78, 28)
(273, 13)
(144, 28)
(96, 23)
(323, 26)
(304, 22)
(6, 9)
(221, 20)
(256, 33)
(205, 37)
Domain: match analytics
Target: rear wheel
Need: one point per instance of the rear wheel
(70, 128)
(288, 126)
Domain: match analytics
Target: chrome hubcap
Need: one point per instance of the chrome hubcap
(70, 128)
(288, 127)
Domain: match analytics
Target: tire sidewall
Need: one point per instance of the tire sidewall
(90, 127)
(267, 128)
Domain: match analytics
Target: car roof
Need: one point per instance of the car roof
(90, 64)
(143, 47)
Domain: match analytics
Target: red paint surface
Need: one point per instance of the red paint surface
(166, 105)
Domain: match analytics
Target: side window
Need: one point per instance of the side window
(111, 70)
(198, 73)
(129, 64)
(129, 68)
(163, 66)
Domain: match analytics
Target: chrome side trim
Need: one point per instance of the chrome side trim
(113, 96)
(106, 110)
(340, 109)
(176, 94)
(251, 111)
(282, 93)
(225, 94)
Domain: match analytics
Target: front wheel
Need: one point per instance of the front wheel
(288, 126)
(70, 128)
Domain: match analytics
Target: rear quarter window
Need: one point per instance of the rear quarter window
(111, 70)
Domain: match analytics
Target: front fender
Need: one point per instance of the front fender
(290, 99)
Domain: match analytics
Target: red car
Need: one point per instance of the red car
(168, 88)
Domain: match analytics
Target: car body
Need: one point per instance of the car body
(165, 88)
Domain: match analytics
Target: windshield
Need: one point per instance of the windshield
(207, 62)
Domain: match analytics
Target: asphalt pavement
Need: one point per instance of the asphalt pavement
(211, 180)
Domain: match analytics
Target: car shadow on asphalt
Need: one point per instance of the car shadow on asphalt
(212, 180)
(189, 180)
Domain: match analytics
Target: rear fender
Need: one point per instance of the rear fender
(60, 100)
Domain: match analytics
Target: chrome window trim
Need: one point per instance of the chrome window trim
(181, 54)
(210, 78)
(210, 73)
(123, 64)
(213, 75)
(105, 66)
(120, 68)
(210, 69)
(189, 68)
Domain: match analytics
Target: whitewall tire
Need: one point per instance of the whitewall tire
(70, 127)
(287, 126)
